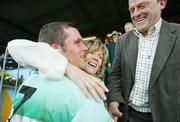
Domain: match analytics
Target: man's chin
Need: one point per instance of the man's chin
(142, 30)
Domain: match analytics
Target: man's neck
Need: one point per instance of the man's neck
(147, 31)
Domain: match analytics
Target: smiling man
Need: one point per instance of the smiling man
(145, 74)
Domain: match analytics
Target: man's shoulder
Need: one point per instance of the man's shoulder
(175, 25)
(65, 84)
(125, 36)
(111, 43)
(172, 27)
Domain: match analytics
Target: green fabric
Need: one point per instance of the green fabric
(58, 101)
(54, 101)
(108, 69)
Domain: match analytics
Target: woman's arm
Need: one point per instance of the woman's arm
(50, 62)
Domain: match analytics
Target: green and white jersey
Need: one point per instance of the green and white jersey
(57, 101)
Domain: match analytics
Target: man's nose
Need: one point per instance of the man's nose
(96, 57)
(136, 13)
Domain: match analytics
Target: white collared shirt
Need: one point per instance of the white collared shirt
(146, 51)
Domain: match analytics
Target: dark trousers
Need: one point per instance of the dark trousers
(136, 116)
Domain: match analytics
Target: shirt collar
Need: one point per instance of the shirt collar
(153, 29)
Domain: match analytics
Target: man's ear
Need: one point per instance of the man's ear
(163, 4)
(57, 46)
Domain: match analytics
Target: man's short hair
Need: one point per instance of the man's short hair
(54, 32)
(127, 23)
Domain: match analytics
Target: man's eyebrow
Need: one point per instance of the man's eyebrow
(78, 40)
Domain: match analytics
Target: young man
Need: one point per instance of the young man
(41, 99)
(145, 74)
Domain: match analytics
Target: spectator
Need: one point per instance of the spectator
(128, 27)
(111, 49)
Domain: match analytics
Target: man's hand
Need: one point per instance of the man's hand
(114, 111)
(90, 85)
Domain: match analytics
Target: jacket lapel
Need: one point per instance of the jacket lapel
(164, 47)
(132, 51)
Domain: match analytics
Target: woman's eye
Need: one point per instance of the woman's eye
(100, 57)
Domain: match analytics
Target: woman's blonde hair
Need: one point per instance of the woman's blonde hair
(94, 45)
